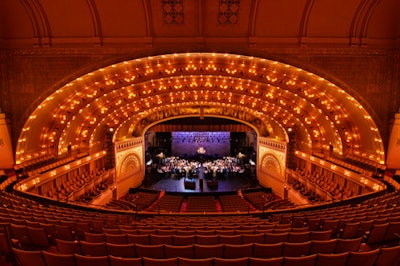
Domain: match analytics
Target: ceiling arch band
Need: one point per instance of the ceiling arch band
(269, 96)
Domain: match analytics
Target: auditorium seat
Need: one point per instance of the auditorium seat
(121, 250)
(323, 246)
(230, 239)
(150, 251)
(55, 259)
(195, 262)
(94, 237)
(166, 232)
(118, 261)
(179, 251)
(320, 235)
(265, 262)
(298, 237)
(39, 237)
(388, 256)
(231, 262)
(343, 245)
(328, 224)
(116, 238)
(208, 251)
(68, 247)
(296, 249)
(298, 221)
(147, 231)
(159, 262)
(81, 227)
(238, 251)
(286, 225)
(205, 232)
(224, 231)
(185, 232)
(314, 224)
(5, 245)
(81, 260)
(112, 231)
(366, 258)
(344, 219)
(272, 238)
(350, 230)
(161, 239)
(392, 232)
(19, 235)
(93, 249)
(300, 261)
(253, 238)
(365, 226)
(179, 240)
(339, 259)
(207, 239)
(267, 250)
(377, 233)
(139, 239)
(282, 230)
(266, 226)
(125, 230)
(63, 232)
(27, 257)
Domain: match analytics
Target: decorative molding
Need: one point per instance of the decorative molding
(173, 11)
(40, 23)
(228, 11)
(96, 22)
(359, 24)
(304, 21)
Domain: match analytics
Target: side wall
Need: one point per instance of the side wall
(6, 151)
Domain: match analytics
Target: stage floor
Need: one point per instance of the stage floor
(231, 183)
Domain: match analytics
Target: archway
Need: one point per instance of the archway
(132, 95)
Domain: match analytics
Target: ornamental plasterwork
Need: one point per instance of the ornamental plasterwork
(156, 117)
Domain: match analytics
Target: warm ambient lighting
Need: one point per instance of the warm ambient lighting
(125, 94)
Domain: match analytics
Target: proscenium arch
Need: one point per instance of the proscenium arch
(279, 95)
(236, 115)
(251, 126)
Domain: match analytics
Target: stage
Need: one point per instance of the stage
(177, 175)
(226, 184)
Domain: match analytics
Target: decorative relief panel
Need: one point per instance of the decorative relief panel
(130, 164)
(228, 11)
(129, 161)
(272, 161)
(173, 11)
(271, 164)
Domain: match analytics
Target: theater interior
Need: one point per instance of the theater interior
(200, 132)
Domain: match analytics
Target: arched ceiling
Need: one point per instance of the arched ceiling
(133, 95)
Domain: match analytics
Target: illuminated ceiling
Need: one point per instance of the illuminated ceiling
(133, 95)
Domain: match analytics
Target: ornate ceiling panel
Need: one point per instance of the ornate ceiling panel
(131, 96)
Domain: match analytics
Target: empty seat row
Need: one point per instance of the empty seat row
(267, 238)
(332, 246)
(378, 257)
